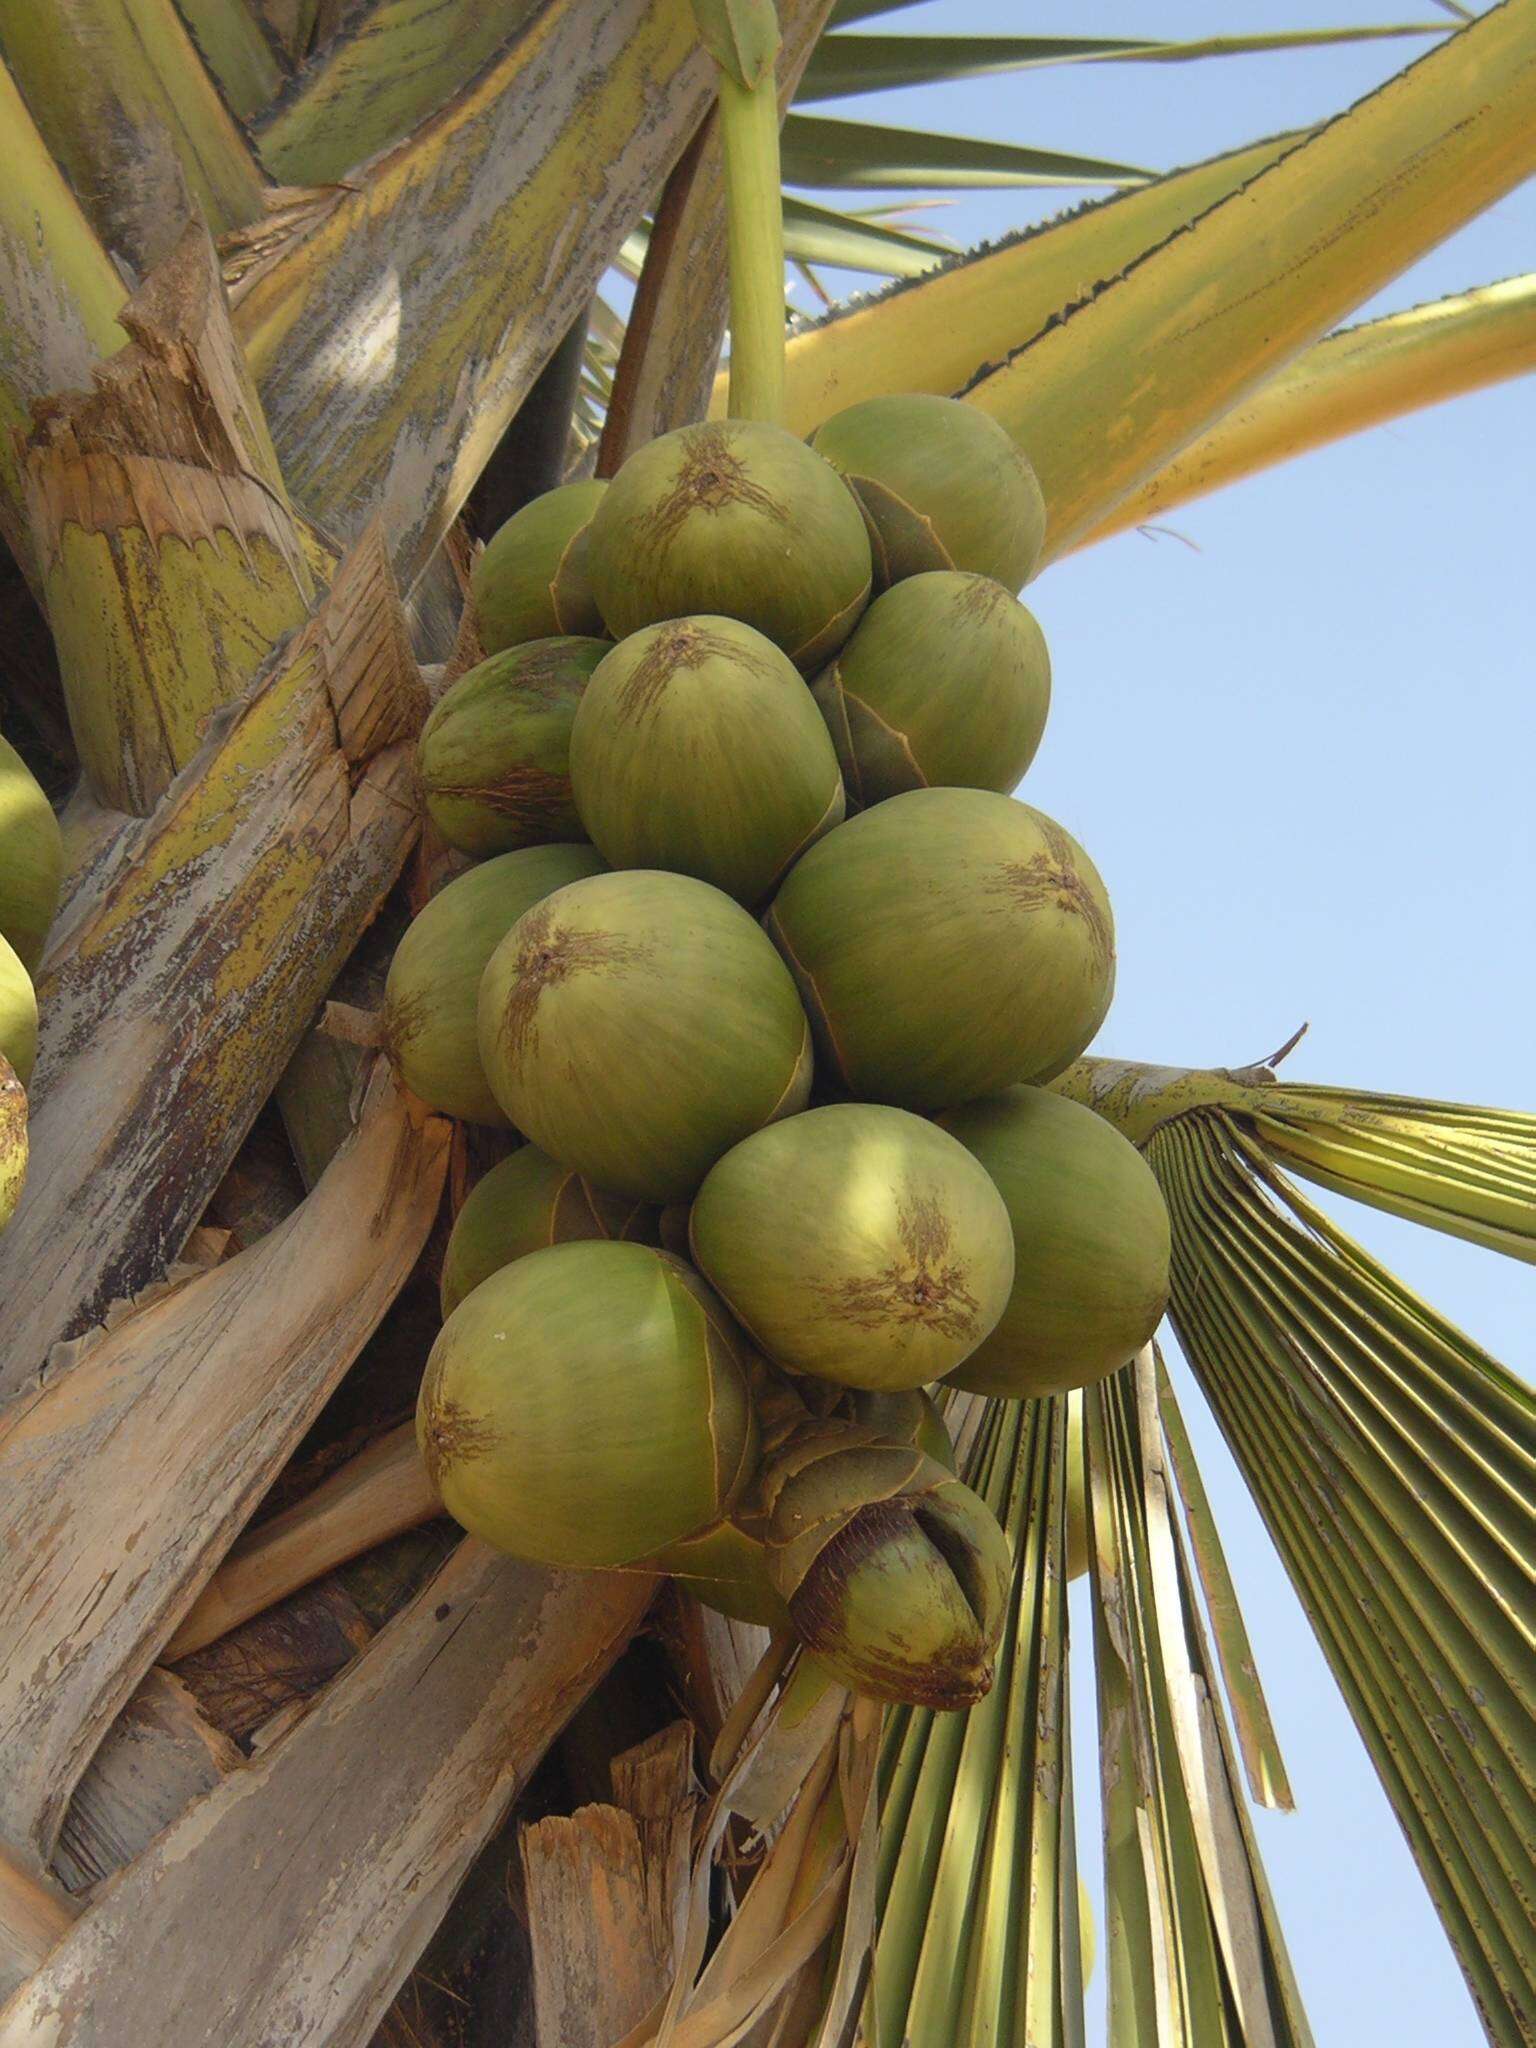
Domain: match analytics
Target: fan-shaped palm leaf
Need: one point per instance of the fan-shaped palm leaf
(1395, 1465)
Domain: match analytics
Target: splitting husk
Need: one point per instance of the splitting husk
(907, 1415)
(894, 1572)
(587, 1405)
(524, 1204)
(726, 1567)
(531, 581)
(942, 485)
(944, 682)
(494, 756)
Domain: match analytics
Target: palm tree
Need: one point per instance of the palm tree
(300, 300)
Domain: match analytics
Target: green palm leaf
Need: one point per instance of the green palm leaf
(977, 1889)
(845, 65)
(824, 234)
(1196, 1957)
(1393, 1463)
(1470, 1172)
(818, 150)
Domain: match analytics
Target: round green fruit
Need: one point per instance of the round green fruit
(907, 1416)
(18, 1013)
(525, 1203)
(532, 580)
(945, 682)
(942, 485)
(31, 859)
(856, 1243)
(494, 758)
(735, 517)
(726, 1567)
(697, 748)
(894, 1573)
(947, 943)
(638, 1025)
(586, 1406)
(428, 1022)
(1091, 1243)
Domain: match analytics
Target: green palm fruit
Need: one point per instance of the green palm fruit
(735, 517)
(637, 1025)
(531, 580)
(18, 1013)
(906, 1416)
(1077, 1492)
(726, 1567)
(942, 485)
(31, 859)
(587, 1405)
(430, 994)
(13, 1140)
(525, 1203)
(1091, 1243)
(945, 682)
(856, 1243)
(894, 1573)
(494, 758)
(947, 943)
(697, 748)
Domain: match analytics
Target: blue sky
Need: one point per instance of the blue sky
(1299, 748)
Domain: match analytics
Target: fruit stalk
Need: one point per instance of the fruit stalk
(743, 38)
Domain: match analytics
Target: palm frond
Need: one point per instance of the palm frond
(977, 1886)
(1139, 367)
(1195, 1953)
(979, 308)
(1268, 1780)
(846, 65)
(825, 234)
(1468, 1171)
(1353, 380)
(820, 151)
(1394, 1463)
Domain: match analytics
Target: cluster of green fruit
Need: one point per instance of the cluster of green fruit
(31, 864)
(790, 1160)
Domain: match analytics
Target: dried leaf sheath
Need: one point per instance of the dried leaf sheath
(182, 1414)
(316, 1874)
(59, 296)
(171, 563)
(394, 340)
(174, 1000)
(133, 119)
